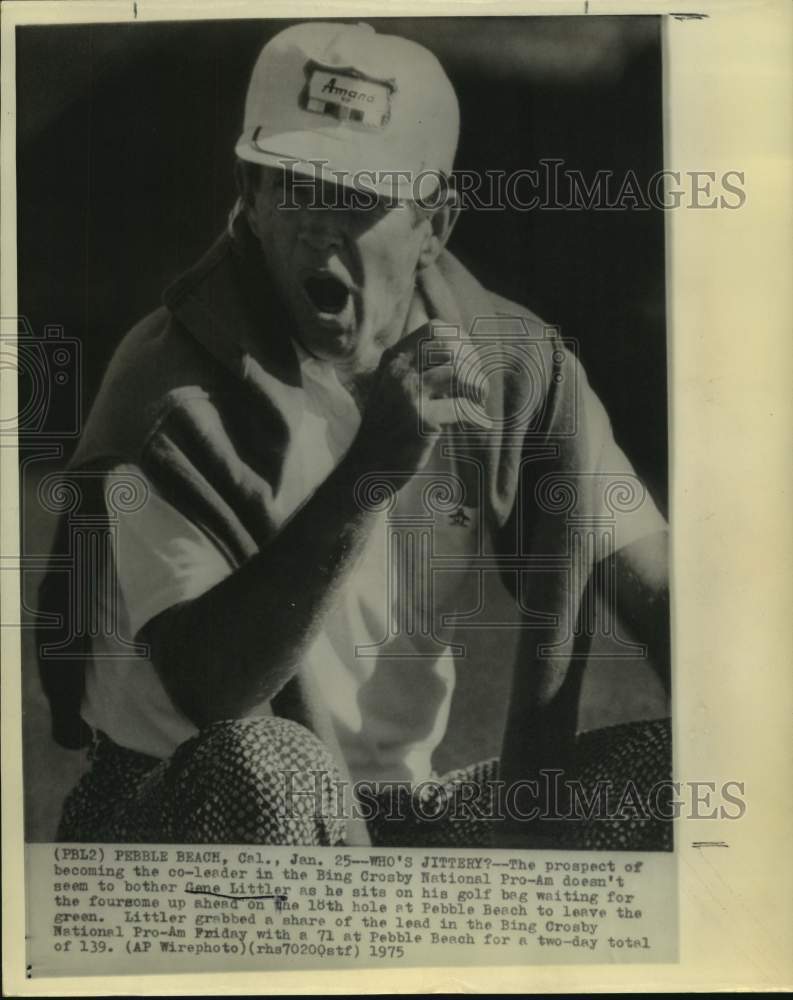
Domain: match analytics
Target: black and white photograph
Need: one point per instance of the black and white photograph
(350, 475)
(366, 322)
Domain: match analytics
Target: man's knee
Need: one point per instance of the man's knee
(269, 778)
(266, 739)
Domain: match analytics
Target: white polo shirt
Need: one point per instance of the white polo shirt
(384, 659)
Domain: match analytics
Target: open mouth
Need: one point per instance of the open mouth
(327, 294)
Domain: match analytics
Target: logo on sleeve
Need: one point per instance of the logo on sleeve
(459, 519)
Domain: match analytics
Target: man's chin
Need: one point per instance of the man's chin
(328, 344)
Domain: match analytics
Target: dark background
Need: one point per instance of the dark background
(125, 137)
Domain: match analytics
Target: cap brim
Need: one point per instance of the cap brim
(349, 160)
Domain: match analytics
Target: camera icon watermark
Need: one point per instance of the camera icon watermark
(506, 374)
(48, 369)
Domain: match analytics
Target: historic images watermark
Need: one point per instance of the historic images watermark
(550, 796)
(550, 185)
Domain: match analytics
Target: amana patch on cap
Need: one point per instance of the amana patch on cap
(347, 95)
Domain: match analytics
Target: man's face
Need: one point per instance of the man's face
(347, 274)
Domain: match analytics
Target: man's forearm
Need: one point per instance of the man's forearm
(543, 713)
(642, 598)
(240, 642)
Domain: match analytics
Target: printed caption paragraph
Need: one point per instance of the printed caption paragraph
(114, 909)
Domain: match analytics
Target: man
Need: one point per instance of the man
(334, 431)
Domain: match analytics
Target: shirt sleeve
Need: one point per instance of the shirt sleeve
(588, 482)
(161, 558)
(617, 494)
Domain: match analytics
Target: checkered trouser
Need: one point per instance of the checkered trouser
(271, 781)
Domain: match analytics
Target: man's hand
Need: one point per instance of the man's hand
(240, 642)
(407, 409)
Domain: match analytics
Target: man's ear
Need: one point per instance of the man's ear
(441, 223)
(247, 193)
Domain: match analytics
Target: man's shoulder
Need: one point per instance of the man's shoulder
(479, 306)
(156, 366)
(159, 352)
(530, 321)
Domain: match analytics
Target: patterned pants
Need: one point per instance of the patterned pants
(270, 781)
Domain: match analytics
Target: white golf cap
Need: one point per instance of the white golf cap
(341, 102)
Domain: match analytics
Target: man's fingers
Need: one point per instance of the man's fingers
(454, 411)
(446, 381)
(438, 381)
(408, 347)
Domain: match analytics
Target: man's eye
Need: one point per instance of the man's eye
(368, 204)
(302, 194)
(358, 203)
(279, 188)
(294, 192)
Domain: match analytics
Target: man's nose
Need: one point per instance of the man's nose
(322, 228)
